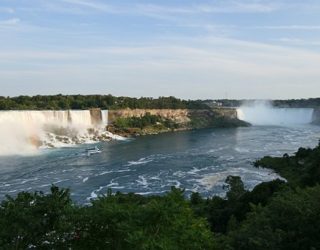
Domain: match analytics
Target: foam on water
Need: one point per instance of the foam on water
(141, 161)
(254, 175)
(142, 181)
(94, 194)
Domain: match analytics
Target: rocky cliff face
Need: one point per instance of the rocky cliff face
(179, 116)
(183, 117)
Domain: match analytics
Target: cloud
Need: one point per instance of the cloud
(218, 7)
(246, 57)
(238, 7)
(146, 52)
(161, 11)
(91, 5)
(71, 7)
(6, 10)
(34, 55)
(9, 22)
(17, 26)
(195, 55)
(298, 41)
(290, 27)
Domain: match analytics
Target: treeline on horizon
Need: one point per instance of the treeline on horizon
(276, 215)
(290, 103)
(63, 102)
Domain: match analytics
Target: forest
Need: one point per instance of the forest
(298, 103)
(280, 214)
(144, 121)
(63, 102)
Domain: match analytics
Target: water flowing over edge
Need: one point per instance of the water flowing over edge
(263, 113)
(24, 132)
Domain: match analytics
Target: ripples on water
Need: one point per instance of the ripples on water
(194, 160)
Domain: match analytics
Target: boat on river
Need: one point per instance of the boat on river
(92, 151)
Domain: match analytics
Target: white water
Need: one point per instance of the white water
(23, 132)
(105, 117)
(80, 118)
(262, 113)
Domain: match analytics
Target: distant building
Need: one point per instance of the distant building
(213, 104)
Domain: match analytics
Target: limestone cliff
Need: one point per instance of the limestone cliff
(184, 118)
(180, 116)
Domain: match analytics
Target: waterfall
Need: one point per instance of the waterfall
(104, 117)
(262, 113)
(80, 118)
(22, 132)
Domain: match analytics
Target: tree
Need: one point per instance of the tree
(290, 221)
(235, 187)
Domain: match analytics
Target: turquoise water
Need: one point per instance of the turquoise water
(194, 160)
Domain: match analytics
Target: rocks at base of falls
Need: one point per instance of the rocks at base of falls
(53, 140)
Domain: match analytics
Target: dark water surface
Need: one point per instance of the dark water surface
(195, 160)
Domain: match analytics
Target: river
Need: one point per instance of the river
(198, 161)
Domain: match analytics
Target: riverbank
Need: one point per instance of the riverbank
(138, 122)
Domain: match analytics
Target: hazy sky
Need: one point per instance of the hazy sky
(189, 49)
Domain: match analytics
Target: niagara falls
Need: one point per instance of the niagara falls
(263, 113)
(41, 148)
(159, 125)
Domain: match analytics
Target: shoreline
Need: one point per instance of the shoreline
(137, 132)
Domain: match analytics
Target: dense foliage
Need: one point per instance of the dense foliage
(144, 121)
(291, 220)
(216, 121)
(274, 215)
(38, 221)
(298, 103)
(301, 169)
(62, 102)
